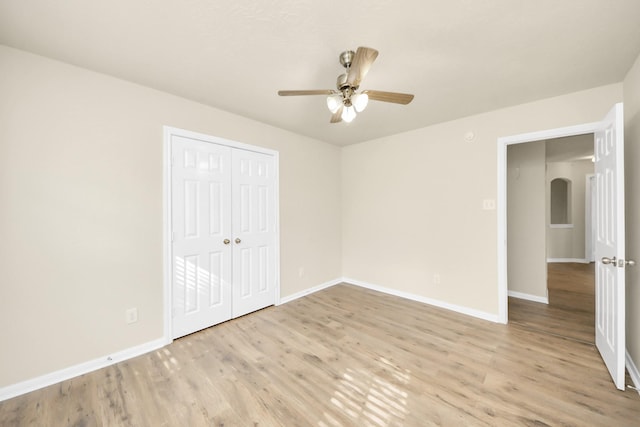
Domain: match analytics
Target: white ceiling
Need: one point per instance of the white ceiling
(459, 57)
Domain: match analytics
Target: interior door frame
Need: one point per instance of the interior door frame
(168, 133)
(503, 143)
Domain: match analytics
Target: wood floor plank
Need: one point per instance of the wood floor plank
(348, 356)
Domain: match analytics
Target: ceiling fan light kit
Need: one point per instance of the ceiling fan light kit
(348, 114)
(345, 102)
(334, 102)
(360, 101)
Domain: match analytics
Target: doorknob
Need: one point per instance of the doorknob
(226, 241)
(617, 262)
(238, 240)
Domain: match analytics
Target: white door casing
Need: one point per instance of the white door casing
(254, 231)
(610, 244)
(217, 191)
(201, 212)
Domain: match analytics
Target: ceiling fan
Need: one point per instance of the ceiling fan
(345, 101)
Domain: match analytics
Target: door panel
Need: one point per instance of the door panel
(201, 220)
(254, 186)
(610, 244)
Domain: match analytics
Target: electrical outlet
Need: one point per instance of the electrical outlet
(489, 204)
(131, 315)
(301, 272)
(436, 279)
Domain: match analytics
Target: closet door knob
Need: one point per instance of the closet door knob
(226, 241)
(238, 240)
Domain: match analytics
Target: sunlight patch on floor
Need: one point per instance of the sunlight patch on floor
(373, 398)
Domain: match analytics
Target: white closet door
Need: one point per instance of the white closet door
(254, 231)
(201, 221)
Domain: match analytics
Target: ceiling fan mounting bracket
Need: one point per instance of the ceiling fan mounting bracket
(346, 58)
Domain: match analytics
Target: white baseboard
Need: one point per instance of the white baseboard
(574, 260)
(309, 291)
(441, 304)
(634, 373)
(82, 368)
(457, 308)
(529, 297)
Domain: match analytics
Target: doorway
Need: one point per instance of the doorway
(547, 201)
(503, 144)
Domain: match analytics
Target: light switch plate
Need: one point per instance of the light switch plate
(489, 204)
(131, 315)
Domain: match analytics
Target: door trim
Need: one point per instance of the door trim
(168, 133)
(503, 142)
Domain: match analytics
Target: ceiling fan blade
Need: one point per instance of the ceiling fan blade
(360, 65)
(306, 92)
(337, 116)
(395, 97)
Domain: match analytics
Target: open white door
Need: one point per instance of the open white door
(609, 245)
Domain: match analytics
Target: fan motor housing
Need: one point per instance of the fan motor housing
(341, 83)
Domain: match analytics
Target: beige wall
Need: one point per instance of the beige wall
(81, 196)
(632, 200)
(526, 201)
(81, 217)
(412, 202)
(569, 243)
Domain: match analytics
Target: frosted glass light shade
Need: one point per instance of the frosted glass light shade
(360, 101)
(348, 114)
(334, 102)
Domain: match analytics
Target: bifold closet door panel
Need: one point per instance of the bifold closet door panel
(254, 231)
(201, 232)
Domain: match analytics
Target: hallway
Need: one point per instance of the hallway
(570, 313)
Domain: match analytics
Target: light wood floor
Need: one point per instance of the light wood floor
(346, 356)
(571, 309)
